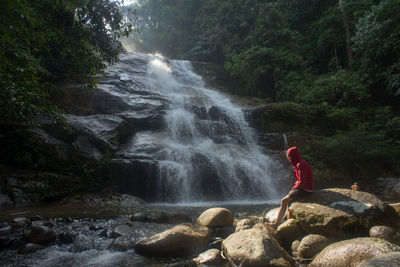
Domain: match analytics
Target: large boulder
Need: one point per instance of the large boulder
(40, 235)
(387, 188)
(181, 240)
(271, 215)
(216, 217)
(311, 245)
(105, 131)
(387, 260)
(385, 232)
(290, 230)
(353, 251)
(254, 247)
(342, 212)
(211, 257)
(245, 224)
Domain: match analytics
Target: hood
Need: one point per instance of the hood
(293, 154)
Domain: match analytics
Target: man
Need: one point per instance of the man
(303, 186)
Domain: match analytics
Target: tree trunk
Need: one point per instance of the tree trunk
(347, 29)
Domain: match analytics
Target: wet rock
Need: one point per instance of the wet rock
(40, 235)
(104, 233)
(159, 217)
(106, 131)
(122, 243)
(180, 240)
(290, 231)
(139, 217)
(65, 238)
(384, 232)
(141, 184)
(342, 212)
(244, 224)
(216, 217)
(6, 230)
(86, 148)
(311, 245)
(30, 248)
(254, 247)
(5, 200)
(19, 222)
(122, 230)
(78, 100)
(11, 242)
(353, 251)
(82, 243)
(150, 119)
(209, 257)
(387, 260)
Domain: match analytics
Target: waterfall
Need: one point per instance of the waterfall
(205, 150)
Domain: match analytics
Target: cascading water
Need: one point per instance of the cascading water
(206, 151)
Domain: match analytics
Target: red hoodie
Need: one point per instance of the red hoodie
(302, 170)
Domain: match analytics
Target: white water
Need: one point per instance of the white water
(209, 157)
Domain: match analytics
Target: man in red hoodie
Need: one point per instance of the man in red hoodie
(303, 186)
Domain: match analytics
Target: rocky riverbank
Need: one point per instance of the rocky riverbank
(333, 227)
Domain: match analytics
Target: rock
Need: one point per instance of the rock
(387, 188)
(30, 248)
(19, 222)
(342, 212)
(311, 245)
(11, 242)
(180, 240)
(122, 230)
(254, 247)
(387, 260)
(106, 131)
(216, 217)
(271, 215)
(40, 235)
(244, 224)
(81, 244)
(396, 207)
(122, 243)
(290, 231)
(384, 232)
(210, 257)
(139, 217)
(353, 251)
(270, 230)
(5, 200)
(65, 238)
(141, 184)
(294, 247)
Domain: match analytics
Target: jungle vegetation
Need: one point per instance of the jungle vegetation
(333, 65)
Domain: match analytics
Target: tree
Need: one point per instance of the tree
(377, 49)
(44, 41)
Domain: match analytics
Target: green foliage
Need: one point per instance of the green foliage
(341, 89)
(377, 48)
(44, 41)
